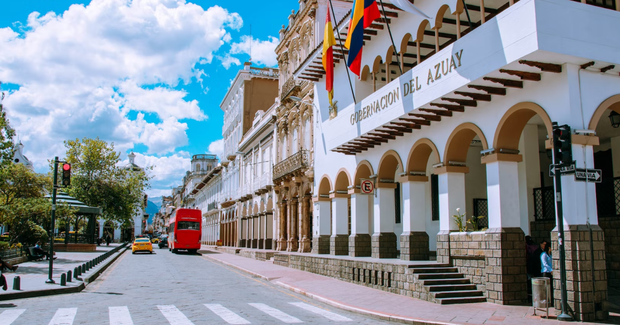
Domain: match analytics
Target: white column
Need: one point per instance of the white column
(101, 224)
(359, 213)
(322, 216)
(503, 193)
(117, 233)
(384, 210)
(414, 204)
(451, 197)
(579, 197)
(340, 221)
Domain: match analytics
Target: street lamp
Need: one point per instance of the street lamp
(299, 100)
(614, 118)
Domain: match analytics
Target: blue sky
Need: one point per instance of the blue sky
(148, 75)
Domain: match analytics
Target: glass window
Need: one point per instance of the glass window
(188, 225)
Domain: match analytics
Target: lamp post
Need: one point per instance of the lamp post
(614, 118)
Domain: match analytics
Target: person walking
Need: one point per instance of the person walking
(546, 263)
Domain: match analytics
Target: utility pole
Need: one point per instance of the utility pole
(561, 144)
(51, 253)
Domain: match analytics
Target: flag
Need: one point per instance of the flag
(407, 6)
(363, 14)
(328, 57)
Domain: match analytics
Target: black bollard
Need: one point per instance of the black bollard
(83, 269)
(63, 280)
(17, 283)
(69, 276)
(76, 272)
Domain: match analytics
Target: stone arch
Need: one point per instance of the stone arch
(389, 53)
(376, 65)
(421, 28)
(511, 125)
(255, 211)
(459, 142)
(363, 170)
(270, 204)
(611, 103)
(325, 186)
(343, 180)
(405, 41)
(365, 73)
(389, 164)
(419, 155)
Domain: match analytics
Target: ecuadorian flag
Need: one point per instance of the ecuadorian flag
(363, 14)
(328, 57)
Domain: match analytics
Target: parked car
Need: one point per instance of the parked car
(155, 240)
(142, 245)
(163, 242)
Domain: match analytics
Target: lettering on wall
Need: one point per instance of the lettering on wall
(435, 73)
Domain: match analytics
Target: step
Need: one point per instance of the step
(434, 270)
(428, 266)
(451, 287)
(428, 276)
(458, 293)
(460, 300)
(445, 281)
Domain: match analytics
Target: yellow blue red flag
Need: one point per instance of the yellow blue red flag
(328, 57)
(363, 14)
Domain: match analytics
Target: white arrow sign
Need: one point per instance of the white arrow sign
(590, 175)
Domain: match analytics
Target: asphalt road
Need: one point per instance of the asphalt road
(164, 288)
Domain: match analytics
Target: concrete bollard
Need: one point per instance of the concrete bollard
(83, 269)
(17, 283)
(63, 280)
(76, 272)
(69, 276)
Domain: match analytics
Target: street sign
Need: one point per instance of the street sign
(563, 170)
(590, 175)
(367, 186)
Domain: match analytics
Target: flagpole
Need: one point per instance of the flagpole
(391, 38)
(468, 19)
(343, 50)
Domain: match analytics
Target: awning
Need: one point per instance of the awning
(84, 209)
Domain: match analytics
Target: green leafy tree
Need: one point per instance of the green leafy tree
(23, 205)
(98, 180)
(7, 149)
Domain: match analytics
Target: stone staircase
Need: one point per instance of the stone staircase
(443, 284)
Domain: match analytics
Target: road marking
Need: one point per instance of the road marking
(64, 316)
(226, 314)
(120, 316)
(276, 313)
(9, 316)
(327, 314)
(174, 315)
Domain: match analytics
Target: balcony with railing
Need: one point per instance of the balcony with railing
(289, 86)
(296, 162)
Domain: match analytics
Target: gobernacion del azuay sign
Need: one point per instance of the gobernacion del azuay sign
(409, 87)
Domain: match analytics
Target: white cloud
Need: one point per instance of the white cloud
(83, 72)
(229, 60)
(168, 171)
(263, 52)
(217, 147)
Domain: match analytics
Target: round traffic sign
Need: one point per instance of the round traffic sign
(367, 186)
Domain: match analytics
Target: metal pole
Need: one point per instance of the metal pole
(560, 224)
(51, 253)
(471, 27)
(342, 47)
(391, 38)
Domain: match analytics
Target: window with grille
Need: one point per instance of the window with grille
(434, 198)
(397, 200)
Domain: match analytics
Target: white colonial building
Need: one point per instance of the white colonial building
(457, 114)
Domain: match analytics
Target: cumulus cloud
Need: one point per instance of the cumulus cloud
(167, 171)
(85, 71)
(217, 147)
(263, 52)
(229, 60)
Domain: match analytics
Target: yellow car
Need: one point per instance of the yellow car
(142, 245)
(155, 240)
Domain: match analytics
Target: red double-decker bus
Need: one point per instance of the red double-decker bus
(184, 230)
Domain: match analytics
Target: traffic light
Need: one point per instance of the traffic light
(66, 174)
(562, 145)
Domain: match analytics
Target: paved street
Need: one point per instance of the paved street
(164, 288)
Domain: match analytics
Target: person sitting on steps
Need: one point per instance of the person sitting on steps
(39, 251)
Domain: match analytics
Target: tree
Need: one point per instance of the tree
(23, 205)
(7, 149)
(98, 180)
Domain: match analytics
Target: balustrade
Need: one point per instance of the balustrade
(291, 164)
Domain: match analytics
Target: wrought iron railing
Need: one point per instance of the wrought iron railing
(608, 197)
(481, 209)
(289, 86)
(544, 203)
(291, 164)
(609, 4)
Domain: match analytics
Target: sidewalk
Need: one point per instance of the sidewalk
(383, 304)
(33, 274)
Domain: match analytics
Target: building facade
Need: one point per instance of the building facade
(252, 90)
(454, 117)
(257, 194)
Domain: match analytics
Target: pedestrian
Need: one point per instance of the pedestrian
(546, 263)
(40, 251)
(4, 266)
(107, 240)
(535, 259)
(530, 248)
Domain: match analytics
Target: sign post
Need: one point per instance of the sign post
(51, 253)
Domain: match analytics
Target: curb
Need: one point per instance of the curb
(382, 316)
(64, 290)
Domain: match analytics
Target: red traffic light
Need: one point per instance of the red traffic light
(66, 166)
